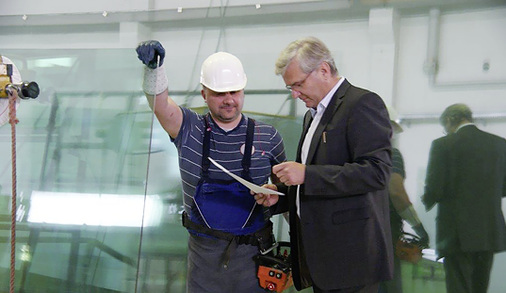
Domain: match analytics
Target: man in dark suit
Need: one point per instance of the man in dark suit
(466, 178)
(336, 191)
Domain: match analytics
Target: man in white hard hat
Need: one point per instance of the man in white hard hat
(227, 228)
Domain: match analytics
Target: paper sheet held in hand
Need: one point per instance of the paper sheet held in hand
(251, 186)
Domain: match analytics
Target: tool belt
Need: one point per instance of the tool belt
(263, 238)
(275, 270)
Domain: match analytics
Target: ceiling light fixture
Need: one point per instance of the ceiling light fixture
(180, 10)
(258, 6)
(104, 14)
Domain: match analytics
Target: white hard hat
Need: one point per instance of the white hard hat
(223, 72)
(394, 120)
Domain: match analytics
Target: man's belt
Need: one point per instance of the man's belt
(263, 238)
(257, 238)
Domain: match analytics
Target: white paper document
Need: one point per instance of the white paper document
(251, 186)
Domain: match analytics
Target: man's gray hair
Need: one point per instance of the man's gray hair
(309, 51)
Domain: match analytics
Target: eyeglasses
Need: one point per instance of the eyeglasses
(298, 84)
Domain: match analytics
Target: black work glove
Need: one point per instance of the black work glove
(424, 237)
(149, 51)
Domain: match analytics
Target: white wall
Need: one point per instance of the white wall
(462, 51)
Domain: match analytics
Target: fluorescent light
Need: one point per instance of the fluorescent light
(52, 62)
(121, 210)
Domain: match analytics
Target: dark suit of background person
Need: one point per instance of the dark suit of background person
(466, 178)
(343, 233)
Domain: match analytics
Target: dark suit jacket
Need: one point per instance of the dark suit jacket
(344, 201)
(466, 177)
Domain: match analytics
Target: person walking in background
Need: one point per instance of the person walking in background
(227, 228)
(401, 209)
(336, 190)
(466, 179)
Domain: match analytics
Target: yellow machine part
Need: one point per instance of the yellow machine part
(4, 81)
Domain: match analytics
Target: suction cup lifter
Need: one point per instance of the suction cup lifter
(26, 90)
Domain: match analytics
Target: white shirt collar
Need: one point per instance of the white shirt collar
(326, 100)
(462, 125)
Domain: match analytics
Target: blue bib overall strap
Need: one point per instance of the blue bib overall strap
(246, 159)
(226, 205)
(225, 209)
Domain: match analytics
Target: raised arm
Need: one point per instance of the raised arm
(155, 87)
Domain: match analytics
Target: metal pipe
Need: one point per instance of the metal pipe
(431, 63)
